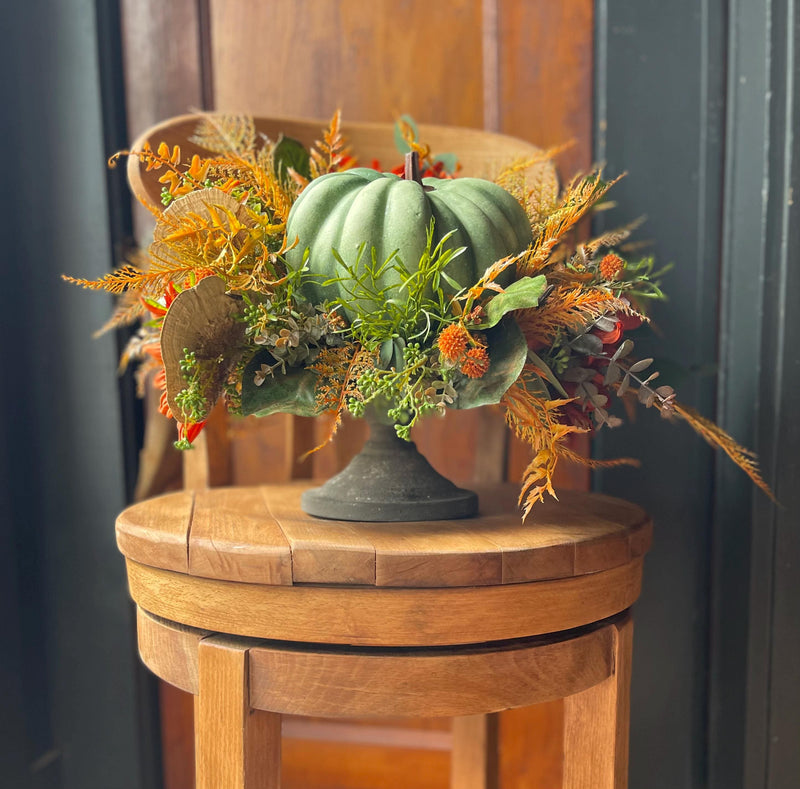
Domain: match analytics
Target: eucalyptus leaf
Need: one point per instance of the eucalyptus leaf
(589, 344)
(508, 350)
(291, 153)
(391, 354)
(613, 374)
(449, 161)
(521, 294)
(642, 364)
(386, 352)
(293, 392)
(604, 323)
(623, 350)
(578, 375)
(646, 397)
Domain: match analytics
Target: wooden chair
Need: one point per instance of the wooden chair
(248, 604)
(260, 610)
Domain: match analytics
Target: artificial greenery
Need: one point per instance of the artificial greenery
(545, 331)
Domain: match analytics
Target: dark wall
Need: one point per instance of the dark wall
(696, 100)
(69, 673)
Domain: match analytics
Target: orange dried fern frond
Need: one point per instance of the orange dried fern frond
(536, 420)
(331, 152)
(127, 277)
(580, 196)
(534, 186)
(338, 370)
(612, 238)
(127, 311)
(568, 308)
(581, 460)
(719, 439)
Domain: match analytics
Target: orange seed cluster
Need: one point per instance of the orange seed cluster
(475, 362)
(452, 342)
(611, 266)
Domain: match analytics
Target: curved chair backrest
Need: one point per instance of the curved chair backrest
(482, 154)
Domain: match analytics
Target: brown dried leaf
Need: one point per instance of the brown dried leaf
(206, 320)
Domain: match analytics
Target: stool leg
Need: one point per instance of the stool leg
(473, 764)
(235, 747)
(596, 724)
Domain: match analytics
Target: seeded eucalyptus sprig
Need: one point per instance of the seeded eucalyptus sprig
(416, 386)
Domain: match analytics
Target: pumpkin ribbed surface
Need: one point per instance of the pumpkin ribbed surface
(386, 214)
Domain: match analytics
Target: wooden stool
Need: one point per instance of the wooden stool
(260, 610)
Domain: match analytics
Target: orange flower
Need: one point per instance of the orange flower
(452, 342)
(476, 362)
(611, 266)
(611, 336)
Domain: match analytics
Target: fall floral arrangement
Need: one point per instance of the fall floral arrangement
(286, 279)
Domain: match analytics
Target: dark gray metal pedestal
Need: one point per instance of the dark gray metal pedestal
(389, 480)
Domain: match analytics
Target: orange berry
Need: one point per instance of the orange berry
(476, 362)
(452, 342)
(611, 266)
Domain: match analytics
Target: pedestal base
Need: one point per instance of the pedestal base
(389, 480)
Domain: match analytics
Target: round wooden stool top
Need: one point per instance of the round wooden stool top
(249, 562)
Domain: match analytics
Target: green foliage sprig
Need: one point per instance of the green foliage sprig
(413, 310)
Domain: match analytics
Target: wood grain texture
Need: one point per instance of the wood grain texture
(474, 762)
(156, 531)
(208, 464)
(322, 551)
(547, 52)
(161, 51)
(169, 650)
(381, 616)
(426, 683)
(348, 682)
(429, 733)
(260, 535)
(265, 449)
(234, 536)
(373, 60)
(235, 747)
(596, 723)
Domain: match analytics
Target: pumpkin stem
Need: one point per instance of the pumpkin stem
(411, 172)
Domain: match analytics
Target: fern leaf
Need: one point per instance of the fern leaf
(612, 238)
(580, 196)
(719, 439)
(127, 311)
(117, 281)
(568, 308)
(226, 135)
(330, 153)
(338, 370)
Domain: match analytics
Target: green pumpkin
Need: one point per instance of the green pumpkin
(343, 211)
